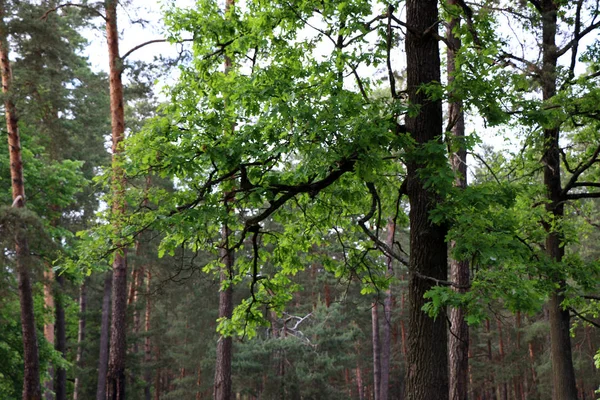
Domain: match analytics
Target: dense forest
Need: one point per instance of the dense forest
(302, 199)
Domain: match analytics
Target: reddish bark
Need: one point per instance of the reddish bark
(115, 381)
(386, 343)
(147, 344)
(80, 338)
(31, 376)
(376, 350)
(104, 337)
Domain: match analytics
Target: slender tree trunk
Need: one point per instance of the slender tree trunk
(222, 386)
(458, 340)
(115, 385)
(31, 376)
(60, 383)
(147, 344)
(427, 364)
(386, 343)
(503, 385)
(563, 373)
(222, 389)
(49, 329)
(359, 383)
(376, 350)
(80, 339)
(104, 337)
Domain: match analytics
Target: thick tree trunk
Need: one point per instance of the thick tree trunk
(458, 340)
(376, 350)
(563, 373)
(386, 342)
(427, 364)
(115, 385)
(104, 337)
(60, 380)
(31, 376)
(80, 339)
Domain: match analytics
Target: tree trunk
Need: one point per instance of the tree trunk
(60, 383)
(31, 376)
(222, 389)
(49, 328)
(104, 337)
(359, 383)
(80, 338)
(386, 344)
(222, 385)
(376, 350)
(563, 373)
(427, 375)
(147, 348)
(115, 385)
(458, 340)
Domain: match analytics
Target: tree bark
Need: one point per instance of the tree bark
(115, 385)
(222, 386)
(222, 389)
(80, 339)
(563, 373)
(386, 343)
(31, 376)
(49, 329)
(376, 350)
(458, 340)
(104, 337)
(60, 382)
(427, 364)
(147, 344)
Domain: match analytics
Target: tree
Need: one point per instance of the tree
(31, 381)
(458, 339)
(427, 376)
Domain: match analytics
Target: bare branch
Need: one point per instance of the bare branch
(50, 11)
(575, 41)
(139, 46)
(577, 196)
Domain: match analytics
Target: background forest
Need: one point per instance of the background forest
(300, 199)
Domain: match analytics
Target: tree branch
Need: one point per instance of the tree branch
(139, 46)
(575, 41)
(50, 11)
(589, 321)
(577, 196)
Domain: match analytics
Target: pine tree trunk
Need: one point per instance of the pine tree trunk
(427, 375)
(458, 340)
(359, 383)
(376, 350)
(502, 386)
(115, 381)
(386, 344)
(80, 338)
(147, 344)
(563, 373)
(31, 376)
(49, 329)
(60, 383)
(104, 337)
